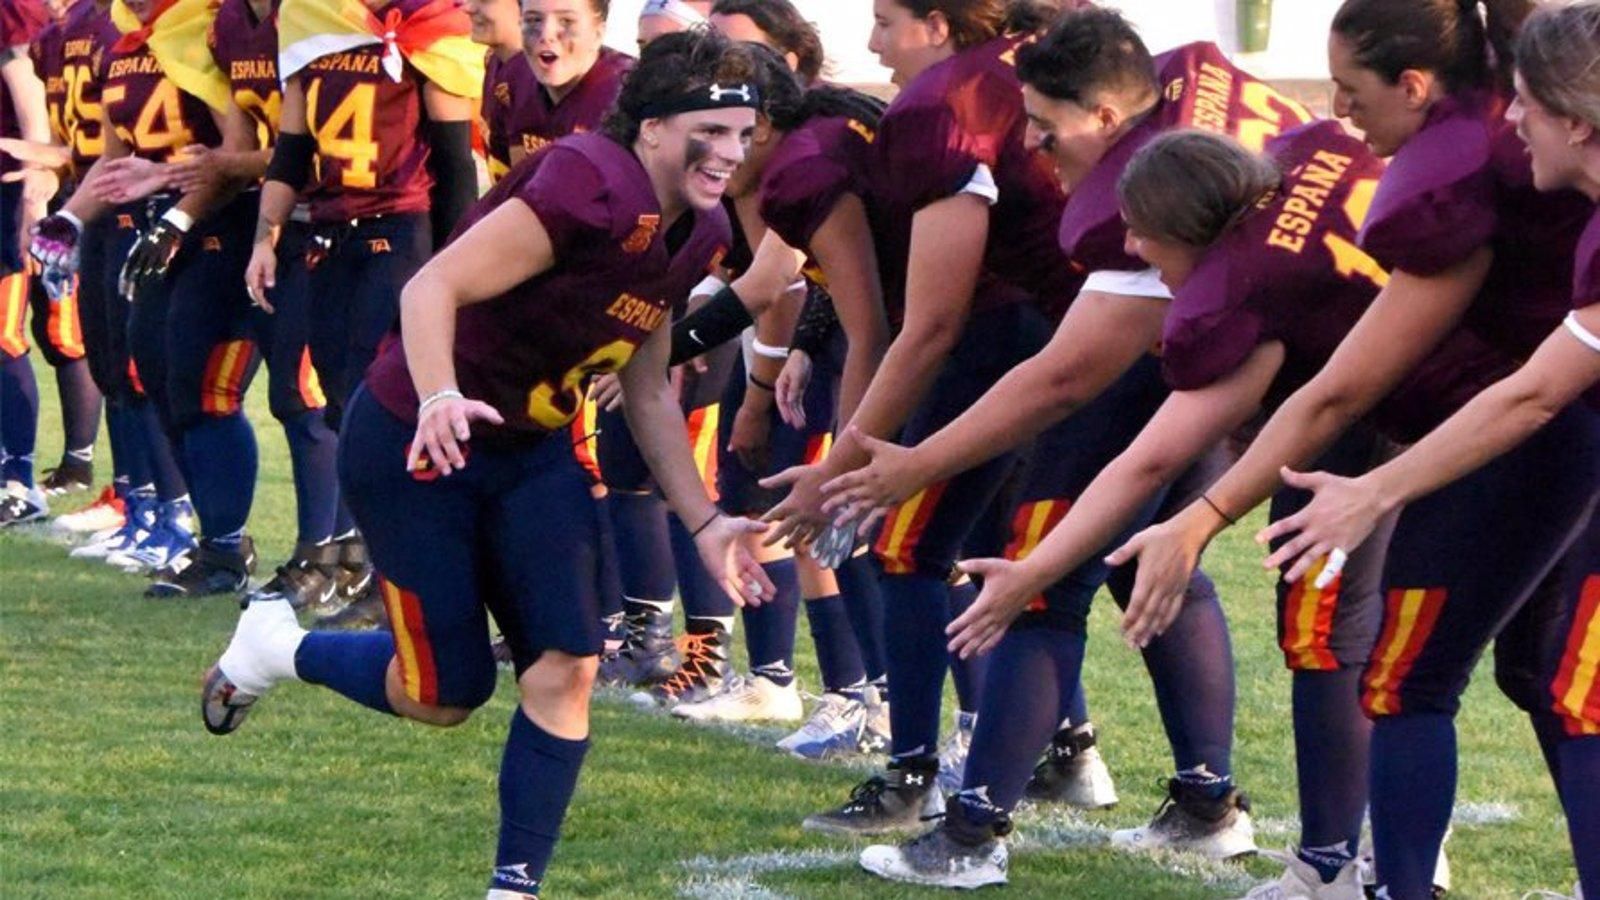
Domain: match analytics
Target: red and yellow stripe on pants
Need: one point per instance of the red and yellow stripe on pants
(222, 390)
(585, 445)
(13, 314)
(703, 441)
(308, 384)
(818, 447)
(411, 646)
(63, 328)
(1408, 621)
(1307, 623)
(1577, 685)
(1028, 527)
(903, 527)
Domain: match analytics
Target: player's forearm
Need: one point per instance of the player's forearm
(277, 203)
(83, 203)
(908, 372)
(27, 99)
(428, 308)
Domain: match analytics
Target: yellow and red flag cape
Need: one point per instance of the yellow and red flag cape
(176, 34)
(436, 38)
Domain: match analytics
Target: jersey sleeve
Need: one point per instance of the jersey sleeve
(571, 199)
(798, 198)
(1436, 204)
(926, 153)
(1212, 326)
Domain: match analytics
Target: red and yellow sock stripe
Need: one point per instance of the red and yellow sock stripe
(64, 328)
(417, 672)
(703, 441)
(13, 314)
(1577, 685)
(222, 389)
(1408, 621)
(1028, 527)
(1307, 623)
(903, 527)
(308, 384)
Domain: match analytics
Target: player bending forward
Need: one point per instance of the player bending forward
(564, 270)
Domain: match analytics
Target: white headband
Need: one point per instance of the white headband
(676, 10)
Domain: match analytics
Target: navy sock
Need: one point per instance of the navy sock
(1075, 705)
(644, 546)
(353, 663)
(1331, 738)
(1551, 734)
(1329, 860)
(343, 522)
(769, 628)
(80, 405)
(313, 448)
(838, 657)
(19, 418)
(538, 775)
(1580, 794)
(610, 570)
(221, 456)
(1191, 667)
(918, 605)
(1413, 790)
(123, 449)
(170, 483)
(967, 673)
(1032, 669)
(863, 600)
(702, 596)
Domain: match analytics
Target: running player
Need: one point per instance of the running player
(1558, 115)
(1469, 241)
(606, 228)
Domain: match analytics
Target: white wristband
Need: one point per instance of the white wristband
(435, 397)
(767, 350)
(178, 219)
(1585, 336)
(76, 222)
(709, 286)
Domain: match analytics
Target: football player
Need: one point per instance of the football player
(566, 269)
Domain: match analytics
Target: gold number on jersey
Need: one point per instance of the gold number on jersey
(160, 124)
(1268, 109)
(552, 405)
(1348, 259)
(346, 134)
(263, 111)
(81, 112)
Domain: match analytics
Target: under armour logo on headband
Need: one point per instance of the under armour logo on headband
(742, 92)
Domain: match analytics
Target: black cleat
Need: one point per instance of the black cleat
(648, 655)
(1072, 772)
(956, 854)
(207, 572)
(1191, 821)
(701, 673)
(901, 800)
(72, 475)
(364, 614)
(307, 579)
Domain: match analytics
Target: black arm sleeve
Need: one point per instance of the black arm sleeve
(291, 160)
(721, 320)
(455, 179)
(818, 322)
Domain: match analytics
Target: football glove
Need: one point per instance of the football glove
(150, 258)
(55, 242)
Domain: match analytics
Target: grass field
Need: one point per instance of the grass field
(109, 787)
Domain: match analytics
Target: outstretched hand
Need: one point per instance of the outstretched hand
(890, 477)
(1006, 592)
(1167, 558)
(798, 518)
(443, 428)
(722, 549)
(1341, 515)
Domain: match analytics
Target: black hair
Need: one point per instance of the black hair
(1467, 43)
(1088, 51)
(789, 31)
(788, 104)
(676, 64)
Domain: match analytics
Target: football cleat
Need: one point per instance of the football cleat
(21, 504)
(72, 475)
(260, 655)
(106, 513)
(503, 894)
(307, 579)
(365, 613)
(207, 572)
(746, 698)
(1072, 772)
(1577, 894)
(701, 673)
(648, 655)
(1189, 821)
(902, 799)
(138, 521)
(171, 539)
(1441, 868)
(834, 729)
(945, 857)
(1301, 881)
(875, 730)
(953, 752)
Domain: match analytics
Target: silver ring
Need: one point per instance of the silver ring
(1331, 568)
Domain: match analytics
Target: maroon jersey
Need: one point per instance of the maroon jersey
(1464, 181)
(86, 36)
(247, 52)
(528, 351)
(533, 120)
(1586, 281)
(1292, 273)
(148, 110)
(371, 157)
(45, 53)
(505, 81)
(813, 167)
(1200, 88)
(960, 114)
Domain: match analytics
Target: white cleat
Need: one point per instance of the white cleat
(1190, 822)
(746, 698)
(1073, 772)
(834, 729)
(118, 540)
(938, 860)
(260, 655)
(1301, 881)
(105, 514)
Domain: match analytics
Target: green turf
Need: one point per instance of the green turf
(109, 787)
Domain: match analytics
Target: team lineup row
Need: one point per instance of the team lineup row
(1061, 307)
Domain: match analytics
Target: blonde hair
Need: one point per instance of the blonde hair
(1558, 54)
(1192, 186)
